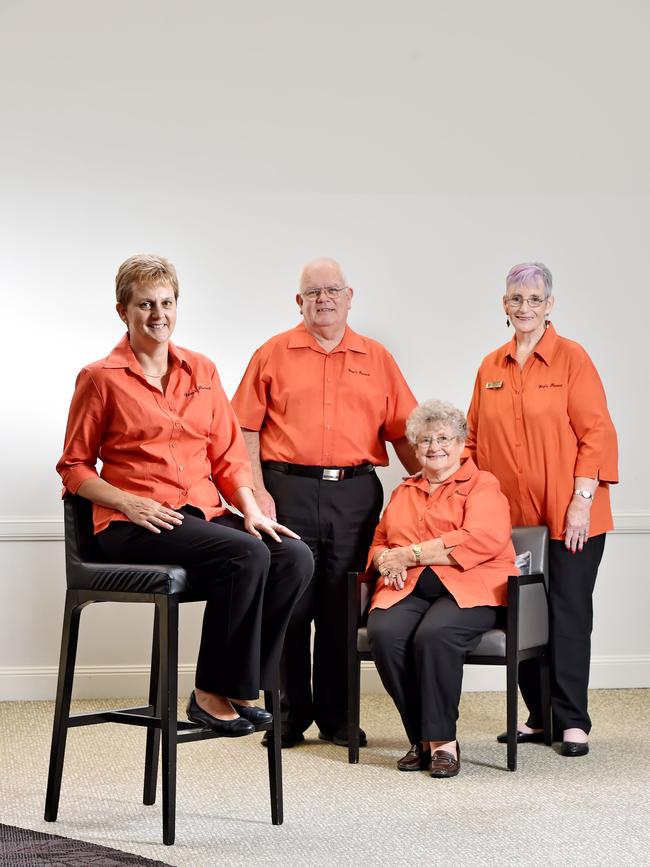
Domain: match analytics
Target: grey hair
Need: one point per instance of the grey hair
(529, 272)
(432, 413)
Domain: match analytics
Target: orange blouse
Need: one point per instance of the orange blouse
(470, 514)
(327, 409)
(538, 428)
(175, 447)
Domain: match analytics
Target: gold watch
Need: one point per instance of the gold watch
(417, 553)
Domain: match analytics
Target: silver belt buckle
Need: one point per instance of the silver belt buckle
(331, 475)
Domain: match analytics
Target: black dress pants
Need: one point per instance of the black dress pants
(251, 587)
(571, 581)
(419, 647)
(337, 520)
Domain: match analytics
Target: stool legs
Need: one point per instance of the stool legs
(167, 607)
(152, 749)
(69, 638)
(274, 750)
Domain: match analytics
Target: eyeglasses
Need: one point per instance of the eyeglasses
(534, 301)
(329, 291)
(443, 441)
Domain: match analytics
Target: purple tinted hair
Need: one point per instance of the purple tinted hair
(530, 272)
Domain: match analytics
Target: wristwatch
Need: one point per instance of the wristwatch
(417, 553)
(586, 495)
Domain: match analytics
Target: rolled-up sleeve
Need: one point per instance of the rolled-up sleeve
(597, 443)
(227, 453)
(486, 529)
(83, 434)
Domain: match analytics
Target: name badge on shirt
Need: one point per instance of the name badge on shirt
(498, 383)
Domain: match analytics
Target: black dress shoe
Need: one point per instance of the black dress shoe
(257, 715)
(572, 749)
(229, 728)
(416, 759)
(340, 738)
(523, 737)
(288, 739)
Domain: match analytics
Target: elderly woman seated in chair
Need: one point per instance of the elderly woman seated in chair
(443, 553)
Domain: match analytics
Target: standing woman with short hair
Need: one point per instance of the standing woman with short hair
(539, 421)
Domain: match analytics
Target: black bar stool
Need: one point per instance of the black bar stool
(89, 580)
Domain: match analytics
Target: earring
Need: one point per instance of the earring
(507, 322)
(547, 322)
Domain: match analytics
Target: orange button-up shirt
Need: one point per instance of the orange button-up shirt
(176, 447)
(323, 408)
(471, 515)
(538, 428)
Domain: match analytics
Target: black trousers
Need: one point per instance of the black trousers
(419, 647)
(337, 520)
(571, 581)
(251, 587)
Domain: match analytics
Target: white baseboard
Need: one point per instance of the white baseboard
(39, 684)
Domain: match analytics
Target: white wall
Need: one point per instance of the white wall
(428, 146)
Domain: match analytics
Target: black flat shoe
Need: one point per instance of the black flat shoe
(257, 715)
(288, 740)
(523, 737)
(340, 738)
(229, 728)
(571, 749)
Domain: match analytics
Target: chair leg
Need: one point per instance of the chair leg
(545, 690)
(152, 749)
(354, 702)
(69, 637)
(512, 667)
(168, 609)
(274, 755)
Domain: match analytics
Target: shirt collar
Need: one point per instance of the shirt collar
(464, 473)
(301, 338)
(545, 349)
(123, 356)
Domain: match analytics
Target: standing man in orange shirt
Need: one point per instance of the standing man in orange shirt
(316, 406)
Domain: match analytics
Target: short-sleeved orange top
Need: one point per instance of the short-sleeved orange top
(538, 428)
(469, 513)
(176, 447)
(323, 408)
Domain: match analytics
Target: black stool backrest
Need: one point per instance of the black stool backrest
(80, 544)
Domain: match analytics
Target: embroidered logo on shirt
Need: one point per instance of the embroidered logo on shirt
(355, 370)
(550, 385)
(197, 390)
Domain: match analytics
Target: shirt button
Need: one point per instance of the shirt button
(177, 424)
(328, 402)
(327, 454)
(181, 468)
(518, 417)
(328, 426)
(328, 379)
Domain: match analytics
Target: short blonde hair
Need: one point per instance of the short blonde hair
(433, 413)
(143, 268)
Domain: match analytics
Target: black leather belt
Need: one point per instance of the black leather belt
(327, 474)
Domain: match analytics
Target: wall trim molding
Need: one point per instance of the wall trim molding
(49, 529)
(38, 683)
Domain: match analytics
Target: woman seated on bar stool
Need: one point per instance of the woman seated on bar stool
(443, 551)
(159, 421)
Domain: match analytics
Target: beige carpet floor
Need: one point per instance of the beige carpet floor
(551, 811)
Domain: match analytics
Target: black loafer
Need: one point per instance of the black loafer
(229, 728)
(416, 759)
(257, 715)
(523, 737)
(571, 749)
(288, 740)
(340, 738)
